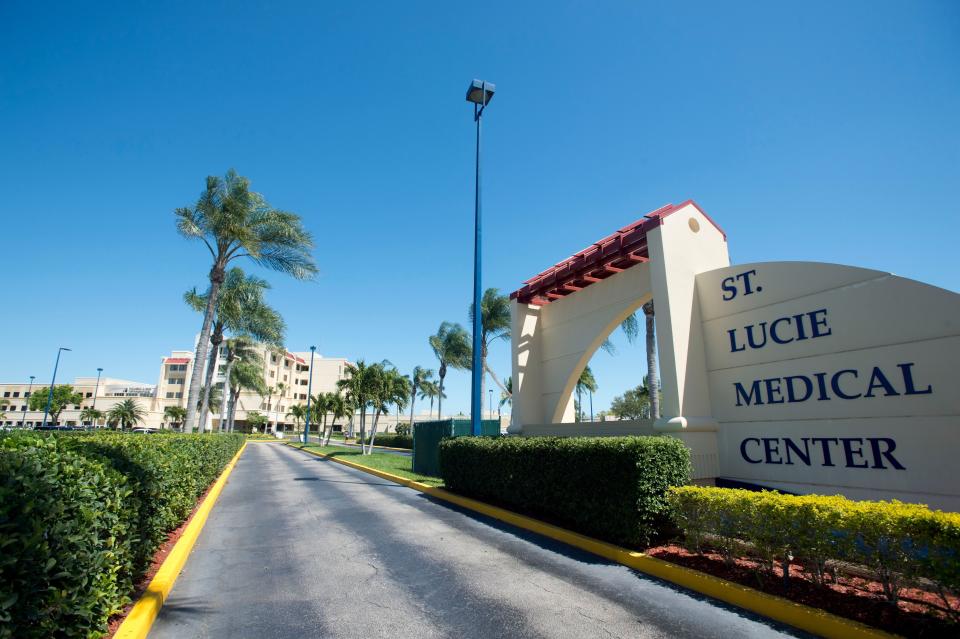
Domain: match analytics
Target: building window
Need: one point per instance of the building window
(89, 394)
(284, 378)
(169, 395)
(16, 393)
(6, 394)
(273, 373)
(176, 381)
(27, 394)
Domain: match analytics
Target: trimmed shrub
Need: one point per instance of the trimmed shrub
(901, 543)
(81, 515)
(393, 440)
(613, 488)
(65, 541)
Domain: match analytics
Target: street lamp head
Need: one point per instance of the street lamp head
(64, 348)
(313, 348)
(99, 370)
(480, 92)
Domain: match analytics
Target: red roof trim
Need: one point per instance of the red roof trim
(176, 360)
(613, 254)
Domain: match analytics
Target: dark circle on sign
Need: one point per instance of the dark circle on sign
(759, 288)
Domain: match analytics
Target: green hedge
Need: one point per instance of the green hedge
(392, 440)
(81, 516)
(613, 488)
(901, 543)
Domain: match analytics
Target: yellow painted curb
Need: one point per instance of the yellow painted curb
(812, 620)
(138, 623)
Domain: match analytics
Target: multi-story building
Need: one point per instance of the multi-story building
(287, 378)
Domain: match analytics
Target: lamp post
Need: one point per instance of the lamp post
(46, 411)
(23, 419)
(591, 407)
(306, 428)
(95, 390)
(490, 402)
(480, 93)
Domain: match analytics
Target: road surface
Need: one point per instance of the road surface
(300, 547)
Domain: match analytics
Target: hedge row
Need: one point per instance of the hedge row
(81, 516)
(613, 488)
(393, 440)
(901, 543)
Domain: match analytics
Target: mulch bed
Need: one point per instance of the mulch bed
(918, 614)
(158, 559)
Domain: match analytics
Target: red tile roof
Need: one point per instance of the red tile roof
(176, 360)
(612, 254)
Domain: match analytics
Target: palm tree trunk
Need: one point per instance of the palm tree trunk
(225, 396)
(203, 347)
(652, 382)
(443, 374)
(373, 432)
(413, 398)
(215, 340)
(496, 380)
(234, 396)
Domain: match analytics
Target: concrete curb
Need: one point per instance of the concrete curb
(812, 620)
(144, 612)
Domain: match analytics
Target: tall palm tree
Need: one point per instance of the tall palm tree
(240, 310)
(494, 325)
(239, 350)
(452, 347)
(390, 388)
(358, 386)
(340, 407)
(651, 379)
(233, 222)
(417, 379)
(586, 382)
(429, 390)
(127, 413)
(246, 374)
(299, 413)
(176, 414)
(320, 407)
(92, 414)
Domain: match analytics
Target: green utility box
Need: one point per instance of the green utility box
(427, 436)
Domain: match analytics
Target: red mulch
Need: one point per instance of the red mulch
(919, 613)
(158, 559)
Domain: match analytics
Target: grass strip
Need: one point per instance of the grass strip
(396, 464)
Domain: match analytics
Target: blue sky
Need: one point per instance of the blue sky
(817, 131)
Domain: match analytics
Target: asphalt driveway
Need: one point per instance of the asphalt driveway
(298, 546)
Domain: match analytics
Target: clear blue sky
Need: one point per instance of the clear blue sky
(826, 131)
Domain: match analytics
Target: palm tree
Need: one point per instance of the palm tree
(92, 415)
(340, 407)
(585, 383)
(358, 387)
(239, 350)
(417, 379)
(240, 310)
(320, 407)
(176, 414)
(234, 222)
(281, 391)
(494, 325)
(429, 390)
(651, 378)
(246, 374)
(299, 413)
(390, 388)
(127, 413)
(452, 347)
(507, 397)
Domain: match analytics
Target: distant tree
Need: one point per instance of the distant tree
(127, 414)
(299, 413)
(587, 384)
(63, 396)
(391, 388)
(91, 415)
(256, 420)
(633, 404)
(419, 377)
(175, 414)
(494, 325)
(651, 345)
(452, 347)
(430, 390)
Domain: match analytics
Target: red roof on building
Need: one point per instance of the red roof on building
(294, 357)
(176, 360)
(608, 256)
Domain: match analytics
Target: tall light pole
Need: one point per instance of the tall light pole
(591, 407)
(480, 93)
(95, 390)
(490, 403)
(306, 428)
(23, 419)
(46, 411)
